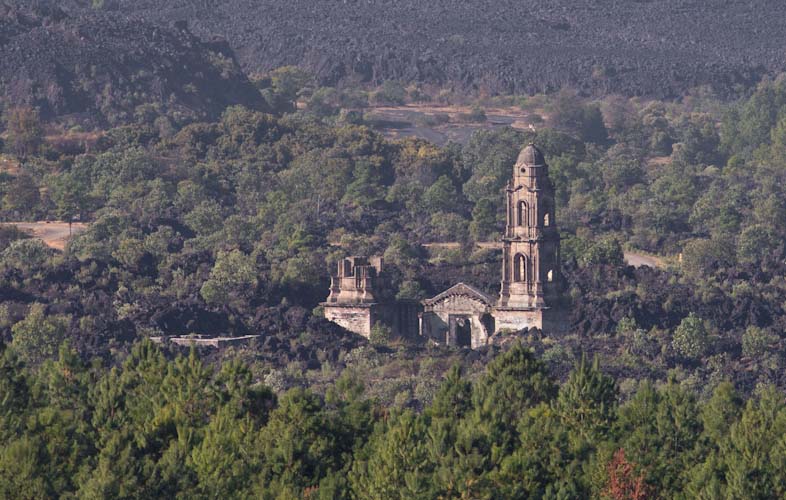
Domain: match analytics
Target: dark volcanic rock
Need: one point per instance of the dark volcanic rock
(654, 47)
(104, 66)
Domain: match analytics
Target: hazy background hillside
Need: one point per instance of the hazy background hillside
(105, 68)
(656, 47)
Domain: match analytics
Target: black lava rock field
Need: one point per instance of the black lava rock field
(659, 48)
(106, 68)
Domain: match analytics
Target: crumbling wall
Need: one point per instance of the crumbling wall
(357, 318)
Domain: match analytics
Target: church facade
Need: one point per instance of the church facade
(530, 285)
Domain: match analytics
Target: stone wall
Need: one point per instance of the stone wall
(401, 317)
(552, 320)
(357, 318)
(517, 319)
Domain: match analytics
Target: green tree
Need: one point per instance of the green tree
(752, 472)
(367, 187)
(225, 461)
(514, 382)
(70, 197)
(23, 126)
(441, 196)
(659, 430)
(755, 242)
(484, 220)
(570, 113)
(232, 281)
(22, 475)
(298, 443)
(396, 463)
(720, 412)
(323, 102)
(26, 254)
(22, 197)
(290, 81)
(206, 218)
(690, 338)
(453, 400)
(38, 336)
(587, 402)
(606, 250)
(15, 394)
(757, 342)
(61, 420)
(381, 334)
(392, 92)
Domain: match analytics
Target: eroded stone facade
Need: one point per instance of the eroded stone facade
(531, 281)
(354, 303)
(462, 315)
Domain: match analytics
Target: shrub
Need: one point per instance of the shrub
(380, 334)
(429, 120)
(757, 341)
(690, 338)
(391, 93)
(605, 251)
(626, 326)
(475, 115)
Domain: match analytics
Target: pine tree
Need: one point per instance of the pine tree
(14, 394)
(587, 402)
(720, 412)
(748, 450)
(61, 419)
(226, 460)
(659, 430)
(454, 398)
(298, 444)
(514, 382)
(22, 475)
(396, 463)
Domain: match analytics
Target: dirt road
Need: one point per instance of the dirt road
(53, 234)
(631, 258)
(397, 122)
(639, 260)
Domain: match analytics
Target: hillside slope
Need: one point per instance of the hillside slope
(650, 47)
(104, 66)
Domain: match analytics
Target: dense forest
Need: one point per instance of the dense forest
(224, 221)
(158, 428)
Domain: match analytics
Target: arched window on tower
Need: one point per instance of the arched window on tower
(523, 214)
(550, 276)
(546, 219)
(520, 268)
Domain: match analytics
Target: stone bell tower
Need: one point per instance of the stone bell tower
(530, 245)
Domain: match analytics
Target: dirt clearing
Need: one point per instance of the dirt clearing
(53, 234)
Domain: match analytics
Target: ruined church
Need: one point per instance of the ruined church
(462, 315)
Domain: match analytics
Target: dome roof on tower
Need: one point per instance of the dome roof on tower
(531, 155)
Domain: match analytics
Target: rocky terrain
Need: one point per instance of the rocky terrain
(637, 47)
(106, 68)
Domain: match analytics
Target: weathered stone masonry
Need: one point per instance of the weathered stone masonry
(462, 315)
(353, 303)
